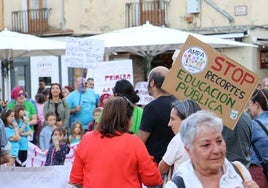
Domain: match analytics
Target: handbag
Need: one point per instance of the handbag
(264, 163)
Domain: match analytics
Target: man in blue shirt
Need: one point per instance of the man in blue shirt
(82, 102)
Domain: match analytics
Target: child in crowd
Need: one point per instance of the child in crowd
(76, 133)
(96, 115)
(12, 132)
(24, 131)
(58, 149)
(46, 132)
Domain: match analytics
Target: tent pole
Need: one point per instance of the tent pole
(147, 65)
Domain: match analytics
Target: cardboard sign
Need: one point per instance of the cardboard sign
(216, 82)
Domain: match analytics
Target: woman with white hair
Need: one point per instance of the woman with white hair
(207, 167)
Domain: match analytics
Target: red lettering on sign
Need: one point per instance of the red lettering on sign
(238, 75)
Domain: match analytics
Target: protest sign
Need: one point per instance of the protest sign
(216, 82)
(33, 177)
(108, 72)
(81, 53)
(145, 98)
(36, 174)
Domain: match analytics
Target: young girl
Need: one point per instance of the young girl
(58, 149)
(76, 133)
(96, 115)
(12, 133)
(24, 131)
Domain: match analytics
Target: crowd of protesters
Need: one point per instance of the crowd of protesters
(169, 142)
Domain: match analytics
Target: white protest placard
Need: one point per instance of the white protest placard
(81, 53)
(108, 72)
(37, 158)
(36, 174)
(33, 177)
(145, 98)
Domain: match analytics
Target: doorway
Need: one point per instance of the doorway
(21, 74)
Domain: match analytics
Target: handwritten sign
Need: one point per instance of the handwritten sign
(216, 82)
(81, 53)
(108, 72)
(145, 98)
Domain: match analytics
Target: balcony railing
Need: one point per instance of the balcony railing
(33, 21)
(154, 11)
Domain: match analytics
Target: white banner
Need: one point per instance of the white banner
(108, 72)
(81, 53)
(37, 158)
(36, 174)
(35, 177)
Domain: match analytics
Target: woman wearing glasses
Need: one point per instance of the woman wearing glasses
(18, 96)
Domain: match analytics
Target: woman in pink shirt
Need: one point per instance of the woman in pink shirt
(111, 156)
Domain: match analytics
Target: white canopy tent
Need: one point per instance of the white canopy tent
(13, 45)
(148, 41)
(152, 40)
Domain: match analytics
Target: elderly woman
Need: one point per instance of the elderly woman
(176, 153)
(207, 167)
(111, 156)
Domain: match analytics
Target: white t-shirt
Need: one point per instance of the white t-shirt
(175, 154)
(230, 178)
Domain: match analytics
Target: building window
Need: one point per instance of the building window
(264, 59)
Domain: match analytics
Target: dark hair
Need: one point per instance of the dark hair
(50, 114)
(116, 116)
(185, 108)
(261, 96)
(124, 88)
(17, 110)
(61, 131)
(57, 84)
(46, 91)
(40, 98)
(90, 79)
(4, 115)
(158, 78)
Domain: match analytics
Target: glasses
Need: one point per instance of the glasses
(265, 98)
(82, 83)
(259, 91)
(129, 104)
(21, 95)
(116, 94)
